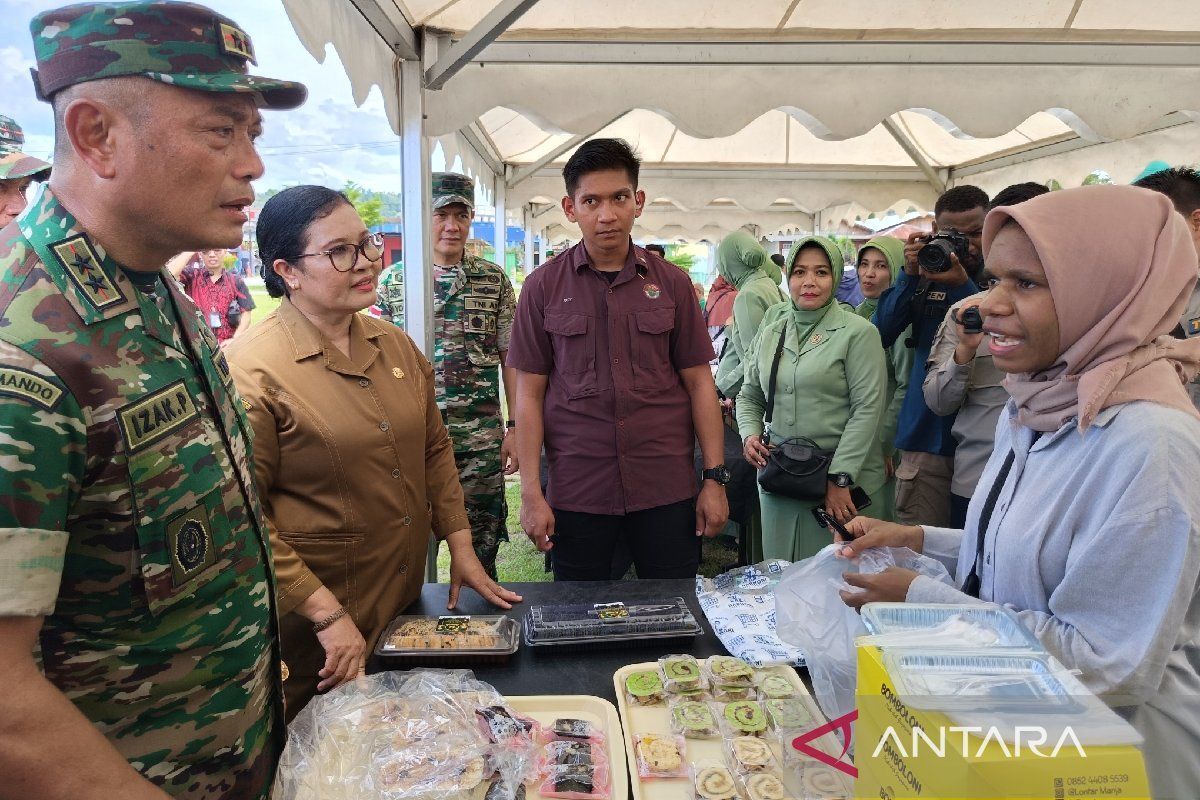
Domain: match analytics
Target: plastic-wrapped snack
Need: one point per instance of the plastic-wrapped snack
(823, 783)
(713, 781)
(727, 694)
(750, 754)
(571, 754)
(645, 688)
(660, 756)
(766, 786)
(729, 671)
(578, 782)
(744, 718)
(681, 673)
(699, 695)
(693, 719)
(499, 724)
(501, 789)
(568, 728)
(788, 714)
(775, 686)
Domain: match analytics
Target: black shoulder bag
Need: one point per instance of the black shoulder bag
(796, 467)
(973, 583)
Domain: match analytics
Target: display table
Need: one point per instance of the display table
(561, 670)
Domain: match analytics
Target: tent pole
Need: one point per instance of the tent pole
(501, 231)
(527, 223)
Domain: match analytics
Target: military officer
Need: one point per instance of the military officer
(132, 544)
(473, 306)
(17, 170)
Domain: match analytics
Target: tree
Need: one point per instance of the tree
(368, 205)
(680, 257)
(1098, 178)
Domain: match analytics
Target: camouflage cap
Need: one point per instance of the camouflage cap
(13, 163)
(183, 44)
(450, 188)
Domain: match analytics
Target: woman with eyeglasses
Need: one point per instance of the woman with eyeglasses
(352, 460)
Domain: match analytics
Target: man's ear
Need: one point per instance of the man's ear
(1194, 220)
(91, 126)
(568, 207)
(639, 199)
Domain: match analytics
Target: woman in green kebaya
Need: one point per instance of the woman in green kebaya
(831, 388)
(879, 263)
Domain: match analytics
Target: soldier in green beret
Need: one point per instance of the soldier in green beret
(473, 306)
(133, 552)
(17, 170)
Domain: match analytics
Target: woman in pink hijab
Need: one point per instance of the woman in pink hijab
(1086, 522)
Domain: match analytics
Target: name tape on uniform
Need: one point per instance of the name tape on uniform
(157, 415)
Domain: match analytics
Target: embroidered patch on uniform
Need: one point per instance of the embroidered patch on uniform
(936, 297)
(222, 366)
(397, 372)
(481, 321)
(1193, 326)
(817, 338)
(82, 265)
(157, 415)
(246, 404)
(23, 384)
(189, 536)
(476, 303)
(652, 291)
(236, 42)
(484, 277)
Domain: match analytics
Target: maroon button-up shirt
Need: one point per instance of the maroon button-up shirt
(618, 419)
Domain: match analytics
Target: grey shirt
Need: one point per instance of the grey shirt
(1095, 543)
(974, 390)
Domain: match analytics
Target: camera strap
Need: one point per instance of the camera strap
(974, 582)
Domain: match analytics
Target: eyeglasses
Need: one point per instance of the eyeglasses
(345, 256)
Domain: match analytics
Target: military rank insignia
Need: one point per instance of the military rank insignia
(236, 42)
(82, 265)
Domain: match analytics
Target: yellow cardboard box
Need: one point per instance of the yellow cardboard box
(943, 761)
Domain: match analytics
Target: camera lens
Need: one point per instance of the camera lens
(935, 256)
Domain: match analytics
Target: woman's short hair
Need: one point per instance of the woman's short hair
(283, 227)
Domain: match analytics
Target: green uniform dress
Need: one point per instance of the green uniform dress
(129, 517)
(743, 262)
(473, 307)
(899, 365)
(830, 388)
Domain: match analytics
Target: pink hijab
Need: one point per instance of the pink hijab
(1121, 266)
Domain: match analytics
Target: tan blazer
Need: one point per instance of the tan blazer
(354, 467)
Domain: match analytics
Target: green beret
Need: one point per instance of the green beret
(450, 188)
(183, 44)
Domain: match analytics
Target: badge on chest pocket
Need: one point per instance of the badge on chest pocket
(480, 314)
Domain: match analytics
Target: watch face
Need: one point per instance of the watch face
(723, 474)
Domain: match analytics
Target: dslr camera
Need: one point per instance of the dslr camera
(934, 257)
(970, 319)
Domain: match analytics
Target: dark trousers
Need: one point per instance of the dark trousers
(662, 541)
(958, 510)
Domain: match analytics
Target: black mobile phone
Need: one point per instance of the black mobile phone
(860, 498)
(826, 521)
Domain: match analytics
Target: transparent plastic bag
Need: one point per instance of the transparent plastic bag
(399, 735)
(812, 616)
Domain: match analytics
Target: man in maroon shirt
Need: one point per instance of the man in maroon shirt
(613, 378)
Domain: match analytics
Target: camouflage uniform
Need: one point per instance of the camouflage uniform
(13, 163)
(128, 514)
(473, 307)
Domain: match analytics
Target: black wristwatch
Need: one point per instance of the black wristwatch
(840, 479)
(719, 473)
(512, 423)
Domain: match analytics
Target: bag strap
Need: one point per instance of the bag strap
(774, 376)
(973, 583)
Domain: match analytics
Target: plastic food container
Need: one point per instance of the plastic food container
(890, 619)
(595, 625)
(448, 640)
(979, 680)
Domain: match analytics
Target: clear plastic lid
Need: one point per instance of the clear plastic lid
(945, 626)
(979, 680)
(435, 636)
(602, 622)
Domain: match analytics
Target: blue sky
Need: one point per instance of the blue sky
(327, 140)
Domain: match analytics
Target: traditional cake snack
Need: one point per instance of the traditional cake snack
(765, 786)
(500, 789)
(788, 714)
(576, 729)
(775, 686)
(750, 754)
(743, 718)
(571, 754)
(444, 633)
(693, 719)
(823, 783)
(498, 724)
(729, 671)
(645, 688)
(680, 673)
(727, 694)
(713, 781)
(576, 782)
(659, 756)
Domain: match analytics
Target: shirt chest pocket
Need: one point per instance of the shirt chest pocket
(650, 347)
(573, 337)
(479, 329)
(178, 477)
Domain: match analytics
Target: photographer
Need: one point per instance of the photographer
(962, 381)
(939, 271)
